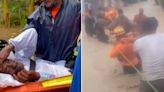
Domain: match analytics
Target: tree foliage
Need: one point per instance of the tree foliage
(18, 11)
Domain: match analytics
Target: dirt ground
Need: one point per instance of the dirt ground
(12, 32)
(100, 73)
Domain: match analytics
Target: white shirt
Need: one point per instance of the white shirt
(150, 49)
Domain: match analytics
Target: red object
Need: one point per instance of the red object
(55, 10)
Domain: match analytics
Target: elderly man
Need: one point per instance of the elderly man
(50, 33)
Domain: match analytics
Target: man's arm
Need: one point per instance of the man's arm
(26, 76)
(25, 40)
(4, 53)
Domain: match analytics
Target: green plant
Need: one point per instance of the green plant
(18, 12)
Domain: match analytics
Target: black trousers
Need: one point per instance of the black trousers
(158, 84)
(131, 70)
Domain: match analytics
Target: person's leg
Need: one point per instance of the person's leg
(20, 58)
(138, 66)
(89, 26)
(129, 70)
(100, 32)
(144, 87)
(25, 46)
(157, 84)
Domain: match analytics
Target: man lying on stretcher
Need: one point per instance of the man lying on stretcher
(14, 72)
(19, 69)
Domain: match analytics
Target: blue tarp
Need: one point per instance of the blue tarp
(76, 83)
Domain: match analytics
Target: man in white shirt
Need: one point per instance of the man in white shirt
(150, 50)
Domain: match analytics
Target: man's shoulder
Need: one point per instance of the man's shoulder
(160, 34)
(37, 12)
(76, 5)
(141, 39)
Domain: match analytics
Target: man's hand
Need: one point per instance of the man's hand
(4, 53)
(26, 76)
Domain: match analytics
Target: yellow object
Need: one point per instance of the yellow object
(6, 14)
(75, 53)
(5, 8)
(119, 31)
(31, 6)
(57, 82)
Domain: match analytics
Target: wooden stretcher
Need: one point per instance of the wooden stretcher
(61, 84)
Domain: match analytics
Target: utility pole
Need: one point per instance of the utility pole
(6, 14)
(31, 6)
